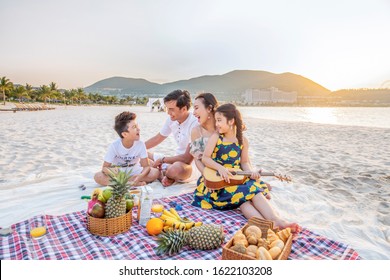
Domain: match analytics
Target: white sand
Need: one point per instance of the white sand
(341, 173)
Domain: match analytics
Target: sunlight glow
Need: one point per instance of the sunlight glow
(321, 115)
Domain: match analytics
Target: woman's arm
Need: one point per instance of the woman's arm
(198, 161)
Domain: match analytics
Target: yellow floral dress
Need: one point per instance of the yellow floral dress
(227, 154)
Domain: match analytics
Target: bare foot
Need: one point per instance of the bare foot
(268, 196)
(269, 187)
(137, 184)
(295, 228)
(166, 182)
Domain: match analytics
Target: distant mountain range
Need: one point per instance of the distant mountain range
(228, 86)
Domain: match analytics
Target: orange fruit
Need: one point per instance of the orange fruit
(154, 226)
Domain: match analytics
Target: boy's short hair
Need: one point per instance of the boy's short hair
(182, 98)
(122, 121)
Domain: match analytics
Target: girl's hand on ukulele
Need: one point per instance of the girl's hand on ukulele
(224, 173)
(255, 176)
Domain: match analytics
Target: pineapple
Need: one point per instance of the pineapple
(116, 204)
(205, 237)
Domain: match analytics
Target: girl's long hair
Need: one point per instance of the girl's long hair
(230, 112)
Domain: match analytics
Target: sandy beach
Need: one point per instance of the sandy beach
(341, 174)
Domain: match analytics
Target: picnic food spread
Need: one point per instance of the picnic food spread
(258, 244)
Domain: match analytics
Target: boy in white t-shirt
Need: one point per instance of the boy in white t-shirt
(127, 153)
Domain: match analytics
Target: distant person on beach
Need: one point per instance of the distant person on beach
(179, 123)
(127, 153)
(226, 150)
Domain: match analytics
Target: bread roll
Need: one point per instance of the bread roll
(253, 230)
(240, 248)
(263, 254)
(239, 238)
(277, 243)
(251, 249)
(274, 252)
(271, 236)
(284, 234)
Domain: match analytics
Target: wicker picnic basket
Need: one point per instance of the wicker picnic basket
(112, 226)
(264, 225)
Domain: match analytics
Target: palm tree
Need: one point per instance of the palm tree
(53, 86)
(30, 91)
(44, 92)
(20, 91)
(81, 94)
(5, 85)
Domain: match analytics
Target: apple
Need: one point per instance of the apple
(129, 204)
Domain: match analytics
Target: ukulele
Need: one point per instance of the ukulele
(213, 180)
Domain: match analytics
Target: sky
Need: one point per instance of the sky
(75, 43)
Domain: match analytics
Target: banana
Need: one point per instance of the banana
(165, 217)
(182, 226)
(177, 225)
(198, 224)
(174, 212)
(96, 192)
(167, 228)
(168, 213)
(189, 225)
(170, 222)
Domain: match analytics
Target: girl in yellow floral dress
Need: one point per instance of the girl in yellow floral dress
(226, 150)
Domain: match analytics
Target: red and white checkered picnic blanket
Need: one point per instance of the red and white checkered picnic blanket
(69, 238)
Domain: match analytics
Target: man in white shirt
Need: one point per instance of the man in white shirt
(179, 123)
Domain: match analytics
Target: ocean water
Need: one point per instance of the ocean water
(353, 116)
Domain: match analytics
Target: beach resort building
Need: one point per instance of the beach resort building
(270, 95)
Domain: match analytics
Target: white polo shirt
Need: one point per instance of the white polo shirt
(180, 131)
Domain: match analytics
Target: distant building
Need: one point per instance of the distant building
(270, 95)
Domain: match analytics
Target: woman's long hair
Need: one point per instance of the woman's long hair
(230, 112)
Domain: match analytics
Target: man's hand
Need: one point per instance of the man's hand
(158, 163)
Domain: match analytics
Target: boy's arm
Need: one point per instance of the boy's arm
(106, 166)
(145, 170)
